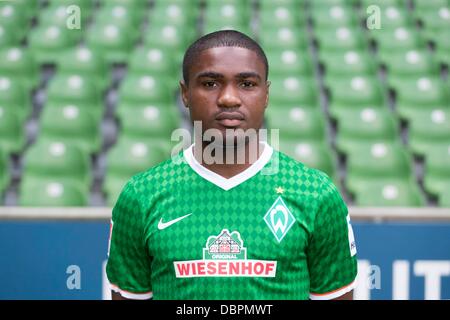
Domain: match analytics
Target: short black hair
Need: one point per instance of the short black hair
(223, 38)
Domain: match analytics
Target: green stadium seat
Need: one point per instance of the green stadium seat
(399, 39)
(382, 3)
(4, 171)
(228, 13)
(420, 5)
(121, 15)
(340, 39)
(51, 194)
(347, 63)
(87, 63)
(427, 129)
(169, 37)
(26, 7)
(59, 15)
(315, 155)
(411, 63)
(393, 17)
(270, 4)
(333, 16)
(148, 122)
(444, 197)
(111, 41)
(14, 95)
(48, 42)
(362, 127)
(73, 88)
(59, 161)
(154, 61)
(12, 136)
(286, 38)
(126, 159)
(145, 89)
(280, 16)
(14, 21)
(293, 91)
(95, 111)
(435, 18)
(18, 64)
(354, 92)
(436, 178)
(389, 194)
(416, 94)
(289, 62)
(174, 13)
(377, 162)
(86, 6)
(302, 124)
(71, 125)
(441, 42)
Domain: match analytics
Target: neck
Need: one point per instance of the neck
(231, 160)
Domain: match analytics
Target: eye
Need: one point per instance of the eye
(247, 84)
(209, 84)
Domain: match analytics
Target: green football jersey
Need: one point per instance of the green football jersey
(278, 230)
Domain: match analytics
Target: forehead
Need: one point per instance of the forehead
(228, 61)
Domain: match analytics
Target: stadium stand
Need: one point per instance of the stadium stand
(83, 109)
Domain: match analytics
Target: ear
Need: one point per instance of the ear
(267, 92)
(184, 93)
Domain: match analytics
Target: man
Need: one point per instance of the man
(266, 227)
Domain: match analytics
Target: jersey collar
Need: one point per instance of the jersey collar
(224, 183)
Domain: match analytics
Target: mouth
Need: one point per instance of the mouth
(230, 119)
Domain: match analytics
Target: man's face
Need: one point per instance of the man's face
(227, 89)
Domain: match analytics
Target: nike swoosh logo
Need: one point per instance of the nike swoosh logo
(163, 225)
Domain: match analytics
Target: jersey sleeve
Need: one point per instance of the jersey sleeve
(332, 251)
(129, 264)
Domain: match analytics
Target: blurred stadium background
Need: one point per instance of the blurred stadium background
(83, 109)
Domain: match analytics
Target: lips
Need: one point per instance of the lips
(230, 119)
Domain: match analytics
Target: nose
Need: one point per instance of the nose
(228, 97)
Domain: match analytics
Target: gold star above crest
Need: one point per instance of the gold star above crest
(279, 190)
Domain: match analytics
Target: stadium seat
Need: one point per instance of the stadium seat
(148, 122)
(126, 159)
(296, 123)
(154, 61)
(12, 136)
(4, 172)
(145, 89)
(411, 63)
(340, 39)
(228, 13)
(59, 15)
(393, 16)
(357, 92)
(292, 38)
(178, 13)
(420, 5)
(14, 21)
(48, 42)
(51, 194)
(417, 94)
(441, 41)
(85, 62)
(280, 16)
(76, 88)
(289, 62)
(377, 162)
(444, 197)
(111, 42)
(293, 91)
(14, 95)
(315, 155)
(71, 124)
(427, 129)
(333, 16)
(366, 126)
(18, 63)
(437, 169)
(59, 161)
(347, 63)
(389, 194)
(400, 39)
(127, 16)
(435, 18)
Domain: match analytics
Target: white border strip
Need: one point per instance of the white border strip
(131, 295)
(334, 294)
(103, 213)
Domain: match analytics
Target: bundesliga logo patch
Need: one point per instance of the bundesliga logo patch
(225, 256)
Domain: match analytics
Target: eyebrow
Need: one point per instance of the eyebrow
(216, 75)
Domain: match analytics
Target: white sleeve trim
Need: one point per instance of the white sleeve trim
(333, 294)
(131, 295)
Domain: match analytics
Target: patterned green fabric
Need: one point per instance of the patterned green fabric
(284, 235)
